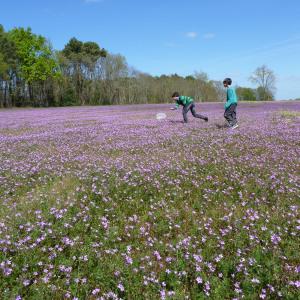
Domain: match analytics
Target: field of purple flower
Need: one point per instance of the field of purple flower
(110, 203)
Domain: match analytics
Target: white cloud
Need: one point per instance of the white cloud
(209, 36)
(191, 34)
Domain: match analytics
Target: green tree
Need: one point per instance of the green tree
(3, 66)
(190, 77)
(3, 72)
(80, 63)
(264, 94)
(8, 70)
(35, 58)
(246, 94)
(3, 58)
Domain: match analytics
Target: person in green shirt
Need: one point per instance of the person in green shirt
(188, 104)
(231, 104)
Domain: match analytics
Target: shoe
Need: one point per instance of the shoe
(235, 126)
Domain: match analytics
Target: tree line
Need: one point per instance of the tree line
(32, 73)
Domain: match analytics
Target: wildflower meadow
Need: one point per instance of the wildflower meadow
(111, 203)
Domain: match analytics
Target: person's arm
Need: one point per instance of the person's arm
(176, 105)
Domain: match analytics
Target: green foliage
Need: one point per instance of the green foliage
(7, 54)
(79, 61)
(78, 52)
(246, 94)
(34, 55)
(3, 66)
(264, 94)
(68, 98)
(190, 77)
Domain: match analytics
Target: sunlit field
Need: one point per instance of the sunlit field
(110, 203)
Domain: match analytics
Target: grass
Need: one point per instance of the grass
(289, 114)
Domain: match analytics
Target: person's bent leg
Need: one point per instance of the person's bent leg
(193, 110)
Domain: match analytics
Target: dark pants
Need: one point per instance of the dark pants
(230, 114)
(191, 107)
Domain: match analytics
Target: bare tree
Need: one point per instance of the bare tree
(265, 79)
(220, 91)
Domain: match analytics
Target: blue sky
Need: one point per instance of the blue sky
(221, 38)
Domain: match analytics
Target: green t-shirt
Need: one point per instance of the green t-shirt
(184, 100)
(231, 97)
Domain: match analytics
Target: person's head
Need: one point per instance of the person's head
(227, 82)
(175, 96)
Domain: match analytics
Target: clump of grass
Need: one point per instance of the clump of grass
(289, 114)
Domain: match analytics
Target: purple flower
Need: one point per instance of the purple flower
(26, 282)
(96, 291)
(295, 283)
(199, 280)
(255, 280)
(128, 260)
(275, 239)
(121, 287)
